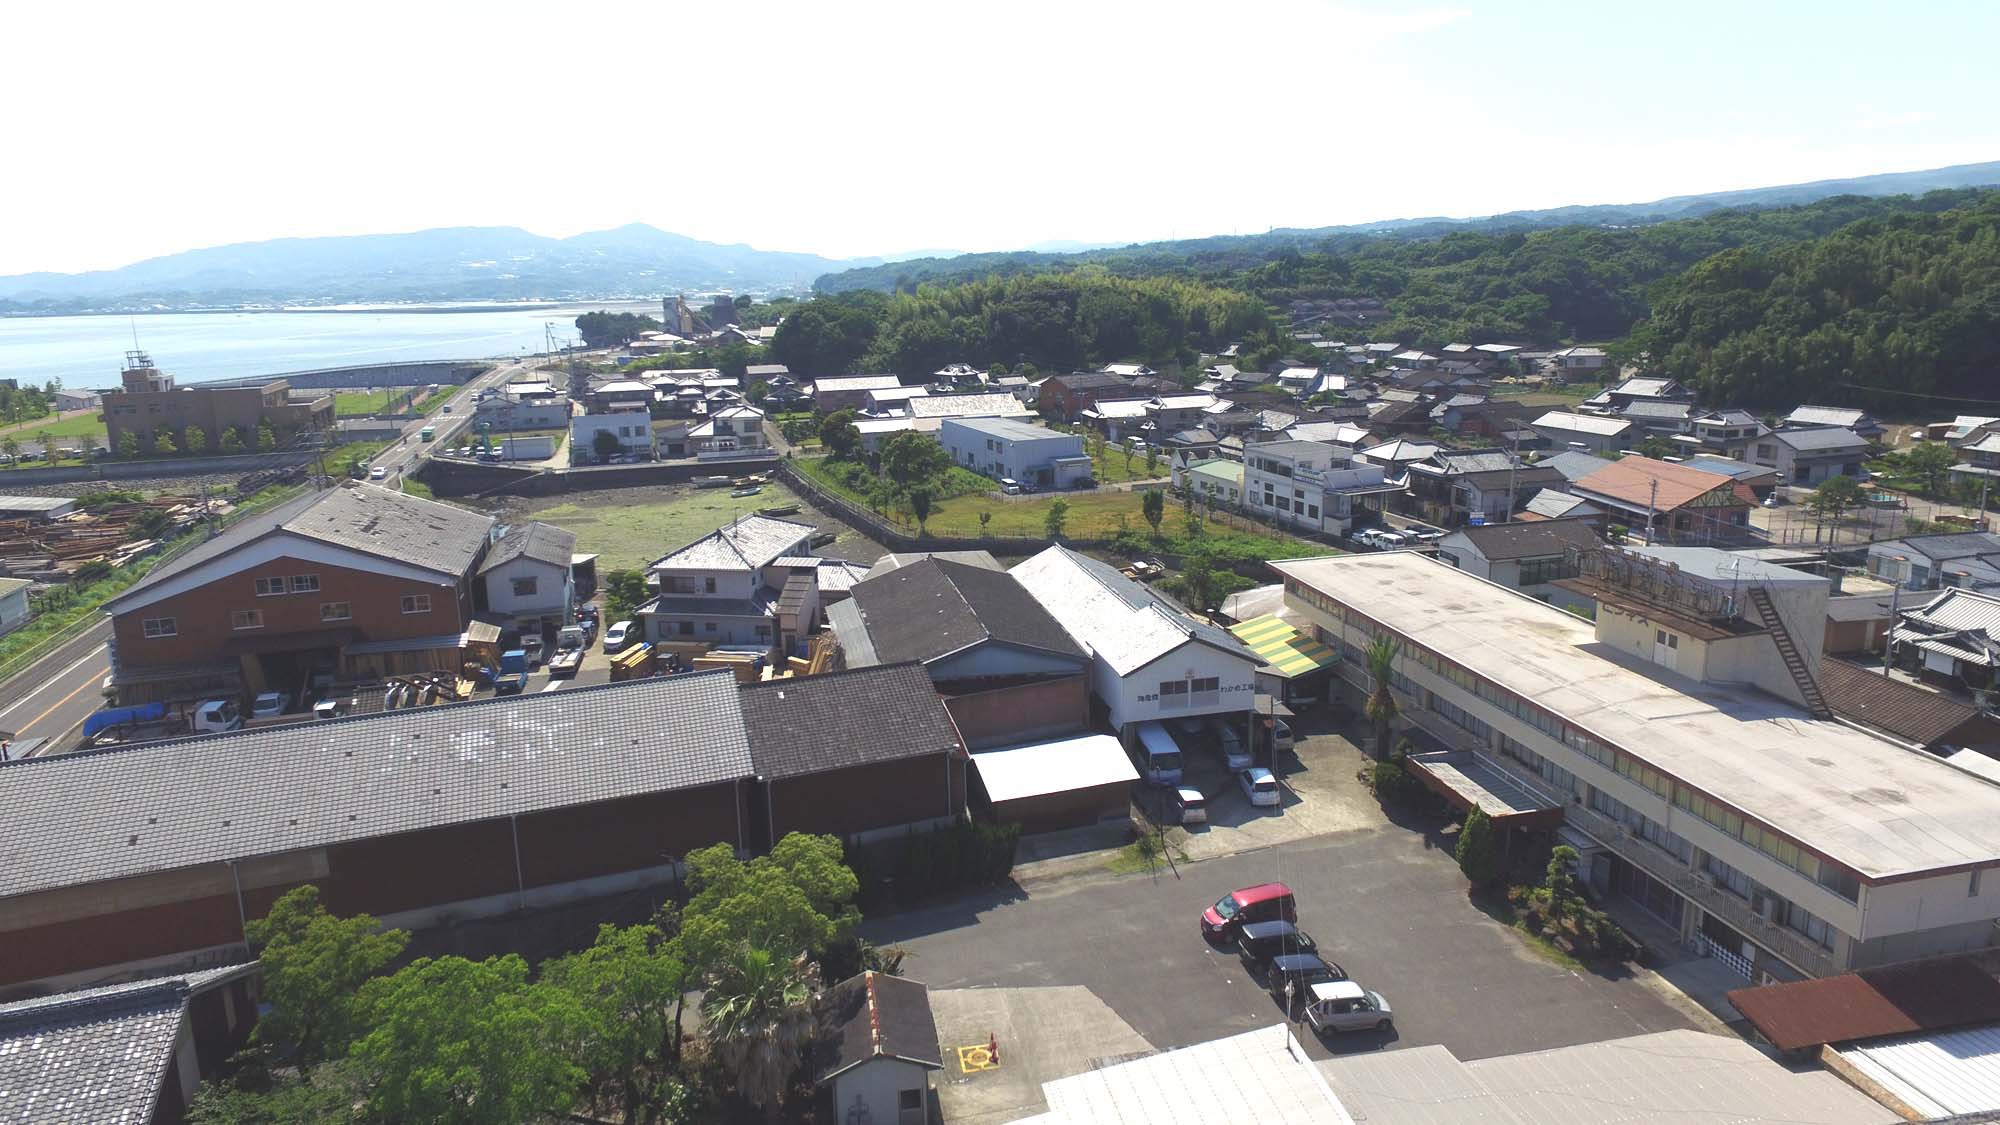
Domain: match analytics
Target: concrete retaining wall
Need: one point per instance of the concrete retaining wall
(164, 467)
(466, 478)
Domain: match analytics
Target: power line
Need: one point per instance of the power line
(1918, 394)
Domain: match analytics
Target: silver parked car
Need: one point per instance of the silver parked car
(1260, 787)
(1343, 1005)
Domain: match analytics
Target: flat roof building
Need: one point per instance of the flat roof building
(1796, 845)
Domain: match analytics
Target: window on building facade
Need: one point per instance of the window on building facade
(708, 627)
(335, 611)
(687, 629)
(266, 587)
(416, 603)
(1173, 693)
(305, 583)
(246, 619)
(160, 627)
(708, 585)
(524, 587)
(1205, 691)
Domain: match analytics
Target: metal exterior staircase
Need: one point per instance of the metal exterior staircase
(1795, 662)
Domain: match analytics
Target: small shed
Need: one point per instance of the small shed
(36, 507)
(1066, 783)
(876, 1046)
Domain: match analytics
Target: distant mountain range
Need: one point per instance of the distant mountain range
(507, 263)
(1237, 250)
(448, 264)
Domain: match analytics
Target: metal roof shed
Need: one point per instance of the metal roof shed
(1065, 783)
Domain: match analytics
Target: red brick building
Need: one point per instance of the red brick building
(1067, 396)
(352, 583)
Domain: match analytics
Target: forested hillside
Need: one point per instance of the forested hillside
(1054, 322)
(1544, 286)
(1877, 313)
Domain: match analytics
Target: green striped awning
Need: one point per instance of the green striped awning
(1283, 647)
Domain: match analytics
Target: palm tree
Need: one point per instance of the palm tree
(758, 1019)
(1381, 709)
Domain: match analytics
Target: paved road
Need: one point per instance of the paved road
(1387, 903)
(60, 690)
(400, 460)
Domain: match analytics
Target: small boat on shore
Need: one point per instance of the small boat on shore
(780, 510)
(712, 482)
(752, 490)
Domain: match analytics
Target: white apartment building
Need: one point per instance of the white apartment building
(1668, 742)
(1286, 480)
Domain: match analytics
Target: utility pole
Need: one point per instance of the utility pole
(1889, 636)
(1652, 502)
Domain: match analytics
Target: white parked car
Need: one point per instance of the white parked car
(1260, 787)
(378, 473)
(1281, 735)
(618, 636)
(268, 704)
(1343, 1005)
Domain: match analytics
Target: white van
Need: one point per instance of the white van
(1009, 486)
(1159, 754)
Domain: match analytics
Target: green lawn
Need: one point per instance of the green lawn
(357, 404)
(75, 426)
(627, 535)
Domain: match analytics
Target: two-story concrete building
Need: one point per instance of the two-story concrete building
(631, 430)
(352, 583)
(1807, 457)
(524, 406)
(1285, 481)
(725, 588)
(1679, 748)
(1006, 449)
(731, 430)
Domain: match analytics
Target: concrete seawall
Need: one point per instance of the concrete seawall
(415, 373)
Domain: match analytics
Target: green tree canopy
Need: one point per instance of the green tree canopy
(314, 963)
(472, 1042)
(1475, 851)
(911, 458)
(799, 898)
(605, 329)
(839, 435)
(626, 991)
(624, 592)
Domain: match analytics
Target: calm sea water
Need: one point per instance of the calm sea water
(87, 351)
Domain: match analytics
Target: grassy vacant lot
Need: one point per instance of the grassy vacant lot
(631, 527)
(72, 425)
(356, 404)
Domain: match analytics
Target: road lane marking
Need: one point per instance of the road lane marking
(55, 679)
(57, 704)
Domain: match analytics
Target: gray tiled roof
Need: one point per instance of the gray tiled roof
(750, 543)
(173, 804)
(1533, 540)
(539, 541)
(94, 1055)
(936, 607)
(363, 517)
(1574, 465)
(1826, 439)
(874, 1016)
(812, 724)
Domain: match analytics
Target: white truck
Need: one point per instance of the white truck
(570, 646)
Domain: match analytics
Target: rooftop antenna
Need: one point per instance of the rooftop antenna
(135, 330)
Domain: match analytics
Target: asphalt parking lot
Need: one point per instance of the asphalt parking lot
(1386, 903)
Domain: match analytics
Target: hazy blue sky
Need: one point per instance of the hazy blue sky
(857, 128)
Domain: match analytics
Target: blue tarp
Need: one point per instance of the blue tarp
(119, 716)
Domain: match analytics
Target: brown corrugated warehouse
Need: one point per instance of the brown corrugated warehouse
(146, 856)
(855, 753)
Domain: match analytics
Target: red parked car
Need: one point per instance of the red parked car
(1266, 902)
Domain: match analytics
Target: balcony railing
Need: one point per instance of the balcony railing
(1774, 936)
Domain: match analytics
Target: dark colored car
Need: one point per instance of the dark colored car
(1301, 971)
(1260, 942)
(1265, 902)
